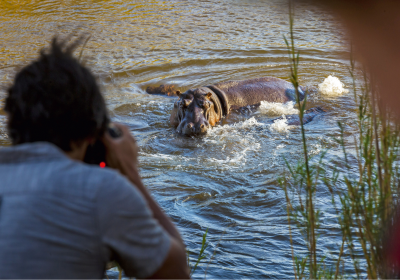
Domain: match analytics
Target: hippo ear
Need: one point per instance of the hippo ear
(178, 93)
(209, 94)
(186, 102)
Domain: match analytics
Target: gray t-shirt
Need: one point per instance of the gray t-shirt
(61, 218)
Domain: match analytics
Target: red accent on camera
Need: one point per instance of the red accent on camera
(102, 164)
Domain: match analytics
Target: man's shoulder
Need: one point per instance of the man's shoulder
(91, 180)
(43, 168)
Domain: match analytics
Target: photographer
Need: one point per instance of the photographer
(61, 217)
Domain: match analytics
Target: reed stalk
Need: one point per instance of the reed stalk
(367, 207)
(365, 204)
(307, 212)
(201, 255)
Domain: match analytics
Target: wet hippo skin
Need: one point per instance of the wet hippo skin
(253, 91)
(197, 110)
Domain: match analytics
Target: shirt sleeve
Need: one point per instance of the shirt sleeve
(136, 240)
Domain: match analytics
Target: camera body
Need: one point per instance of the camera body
(96, 153)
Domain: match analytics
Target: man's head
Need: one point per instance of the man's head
(55, 99)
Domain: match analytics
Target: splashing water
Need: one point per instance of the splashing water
(277, 109)
(332, 86)
(223, 129)
(281, 125)
(241, 136)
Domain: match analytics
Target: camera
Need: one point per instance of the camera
(96, 153)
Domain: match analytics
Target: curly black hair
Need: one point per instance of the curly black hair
(55, 99)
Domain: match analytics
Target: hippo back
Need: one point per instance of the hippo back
(253, 91)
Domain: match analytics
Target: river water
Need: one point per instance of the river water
(226, 181)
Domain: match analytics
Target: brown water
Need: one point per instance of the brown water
(227, 180)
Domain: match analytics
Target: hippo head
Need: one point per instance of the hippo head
(196, 111)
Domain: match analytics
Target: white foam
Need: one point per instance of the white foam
(332, 86)
(277, 109)
(248, 123)
(281, 125)
(236, 141)
(238, 159)
(217, 130)
(315, 149)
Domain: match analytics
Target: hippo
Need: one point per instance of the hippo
(199, 109)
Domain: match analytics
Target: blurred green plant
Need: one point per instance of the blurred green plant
(370, 200)
(304, 177)
(365, 204)
(201, 255)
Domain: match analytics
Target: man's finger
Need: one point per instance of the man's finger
(107, 138)
(124, 129)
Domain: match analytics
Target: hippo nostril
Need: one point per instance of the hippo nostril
(190, 127)
(203, 128)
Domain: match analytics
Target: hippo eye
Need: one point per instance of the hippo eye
(206, 104)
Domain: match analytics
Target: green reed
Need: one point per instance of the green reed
(368, 203)
(201, 255)
(305, 216)
(369, 195)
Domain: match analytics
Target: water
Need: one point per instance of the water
(226, 181)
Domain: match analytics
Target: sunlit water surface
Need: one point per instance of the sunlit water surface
(226, 181)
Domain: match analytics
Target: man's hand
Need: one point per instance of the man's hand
(121, 152)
